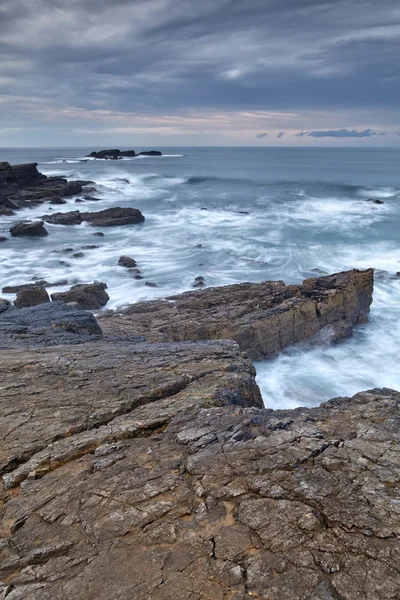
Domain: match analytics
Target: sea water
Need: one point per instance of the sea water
(233, 215)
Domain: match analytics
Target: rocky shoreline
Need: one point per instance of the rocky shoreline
(138, 461)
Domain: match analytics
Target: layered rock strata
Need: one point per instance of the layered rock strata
(263, 318)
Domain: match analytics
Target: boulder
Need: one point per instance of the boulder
(3, 238)
(31, 297)
(6, 212)
(89, 296)
(4, 304)
(199, 282)
(375, 201)
(263, 318)
(126, 261)
(31, 229)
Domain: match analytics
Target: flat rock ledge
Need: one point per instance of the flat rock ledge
(149, 471)
(263, 318)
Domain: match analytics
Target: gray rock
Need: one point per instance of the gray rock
(49, 323)
(32, 229)
(126, 261)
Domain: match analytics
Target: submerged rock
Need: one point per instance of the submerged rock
(90, 296)
(127, 261)
(263, 318)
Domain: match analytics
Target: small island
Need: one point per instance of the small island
(115, 154)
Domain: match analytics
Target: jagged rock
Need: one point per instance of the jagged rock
(32, 229)
(49, 323)
(42, 283)
(90, 296)
(31, 297)
(376, 201)
(151, 284)
(6, 212)
(23, 185)
(263, 318)
(3, 238)
(126, 261)
(108, 217)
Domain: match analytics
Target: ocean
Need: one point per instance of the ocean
(233, 215)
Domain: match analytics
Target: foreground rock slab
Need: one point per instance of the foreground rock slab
(142, 471)
(263, 318)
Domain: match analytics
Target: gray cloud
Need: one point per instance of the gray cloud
(340, 133)
(261, 135)
(280, 134)
(160, 57)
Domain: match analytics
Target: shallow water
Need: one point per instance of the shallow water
(307, 209)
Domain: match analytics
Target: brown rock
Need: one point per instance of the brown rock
(31, 297)
(263, 318)
(126, 261)
(89, 296)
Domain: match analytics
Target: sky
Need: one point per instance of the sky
(148, 73)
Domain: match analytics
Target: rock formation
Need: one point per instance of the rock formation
(116, 154)
(263, 318)
(136, 470)
(23, 185)
(115, 216)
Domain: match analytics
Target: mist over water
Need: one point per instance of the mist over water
(234, 215)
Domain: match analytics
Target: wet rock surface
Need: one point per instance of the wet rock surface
(263, 318)
(108, 217)
(89, 296)
(29, 229)
(22, 186)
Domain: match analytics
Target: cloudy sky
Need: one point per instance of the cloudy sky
(199, 72)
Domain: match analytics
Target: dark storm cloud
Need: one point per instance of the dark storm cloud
(165, 56)
(340, 133)
(261, 135)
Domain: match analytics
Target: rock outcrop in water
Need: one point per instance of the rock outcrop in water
(22, 186)
(152, 471)
(109, 217)
(115, 154)
(263, 318)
